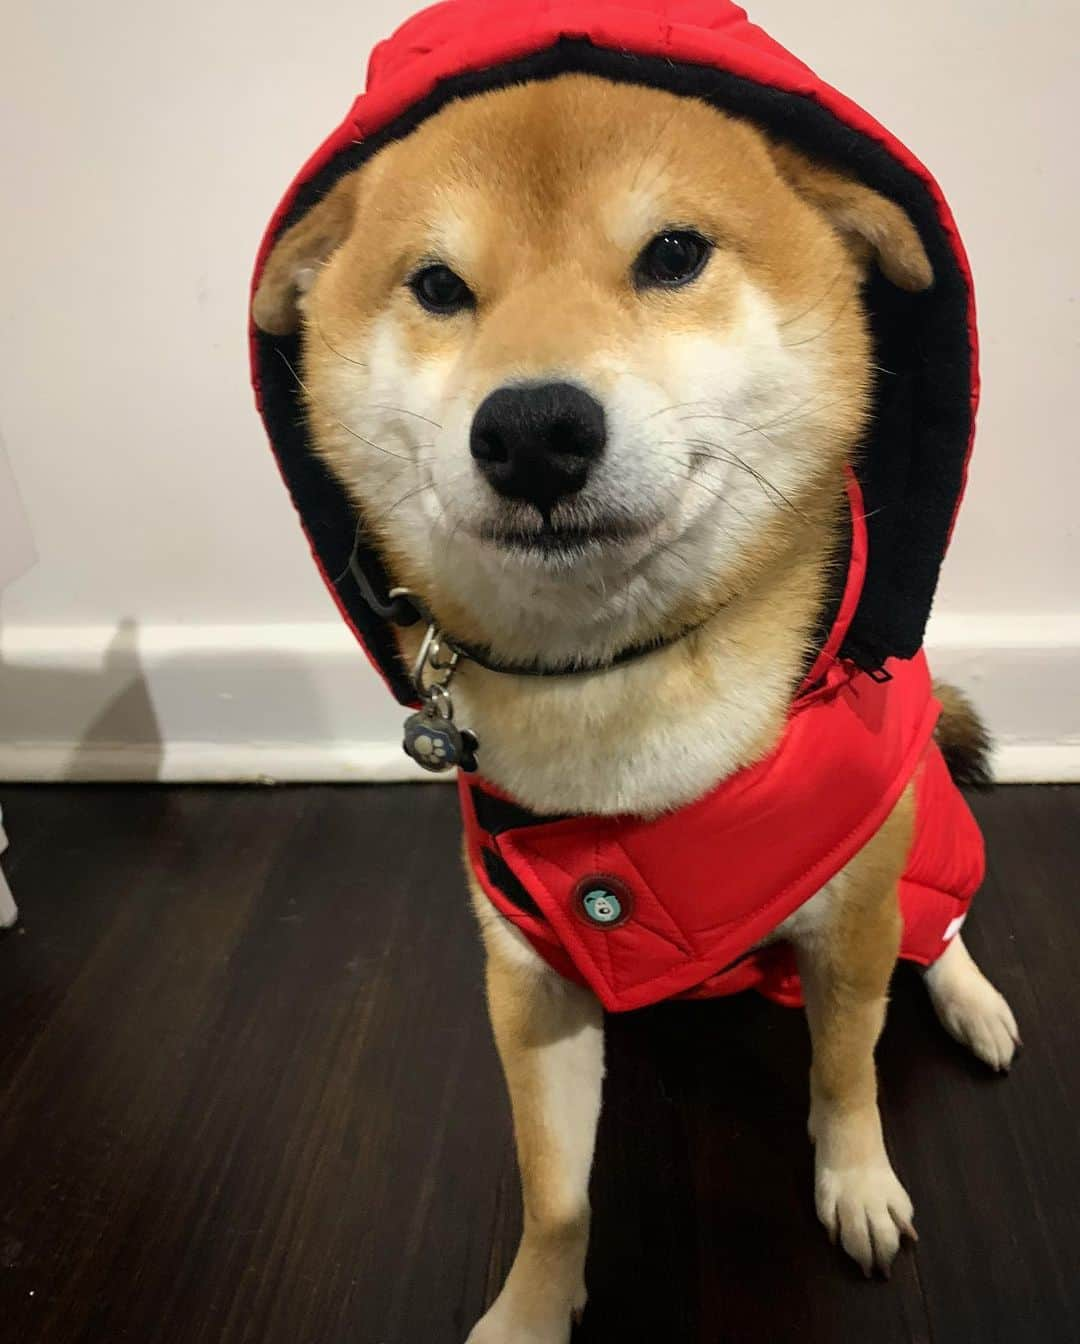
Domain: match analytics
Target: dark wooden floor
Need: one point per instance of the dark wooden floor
(248, 1096)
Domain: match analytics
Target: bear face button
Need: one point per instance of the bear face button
(602, 902)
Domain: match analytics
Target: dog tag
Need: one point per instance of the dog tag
(432, 739)
(437, 744)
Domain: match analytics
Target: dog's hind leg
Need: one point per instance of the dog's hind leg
(846, 955)
(549, 1035)
(970, 1008)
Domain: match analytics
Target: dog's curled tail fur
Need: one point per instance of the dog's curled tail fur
(963, 738)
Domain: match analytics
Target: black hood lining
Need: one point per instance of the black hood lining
(911, 483)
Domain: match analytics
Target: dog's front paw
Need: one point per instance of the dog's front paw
(517, 1317)
(510, 1327)
(867, 1209)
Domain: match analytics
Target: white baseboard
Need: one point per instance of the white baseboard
(298, 702)
(212, 763)
(186, 703)
(1022, 671)
(1037, 763)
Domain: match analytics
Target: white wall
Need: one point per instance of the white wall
(174, 623)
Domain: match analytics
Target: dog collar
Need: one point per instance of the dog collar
(404, 608)
(435, 742)
(431, 737)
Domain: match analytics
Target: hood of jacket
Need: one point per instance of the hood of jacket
(913, 464)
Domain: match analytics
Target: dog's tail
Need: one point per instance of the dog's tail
(963, 738)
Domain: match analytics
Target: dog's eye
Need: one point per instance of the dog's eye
(440, 290)
(672, 258)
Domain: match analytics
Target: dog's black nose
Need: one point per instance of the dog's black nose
(537, 442)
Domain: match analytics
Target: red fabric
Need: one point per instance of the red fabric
(853, 584)
(702, 885)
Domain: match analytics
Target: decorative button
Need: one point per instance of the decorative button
(603, 902)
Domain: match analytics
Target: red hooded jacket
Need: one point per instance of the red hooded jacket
(639, 909)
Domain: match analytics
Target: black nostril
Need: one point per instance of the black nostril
(489, 446)
(538, 441)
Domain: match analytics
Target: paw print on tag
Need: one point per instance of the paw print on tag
(431, 748)
(433, 743)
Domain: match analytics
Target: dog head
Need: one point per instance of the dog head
(587, 356)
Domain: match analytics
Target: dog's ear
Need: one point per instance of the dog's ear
(871, 224)
(296, 256)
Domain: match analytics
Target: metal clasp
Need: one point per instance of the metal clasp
(431, 737)
(434, 670)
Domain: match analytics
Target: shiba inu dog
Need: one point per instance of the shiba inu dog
(593, 361)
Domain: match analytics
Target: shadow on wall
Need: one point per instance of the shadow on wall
(128, 715)
(174, 703)
(52, 712)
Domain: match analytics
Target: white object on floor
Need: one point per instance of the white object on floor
(8, 911)
(16, 556)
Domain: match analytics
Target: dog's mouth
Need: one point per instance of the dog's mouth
(552, 540)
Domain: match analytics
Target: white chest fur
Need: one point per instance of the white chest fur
(643, 738)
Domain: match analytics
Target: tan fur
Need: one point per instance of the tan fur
(864, 217)
(845, 964)
(540, 197)
(540, 1020)
(290, 267)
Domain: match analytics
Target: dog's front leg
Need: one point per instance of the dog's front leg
(550, 1038)
(846, 956)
